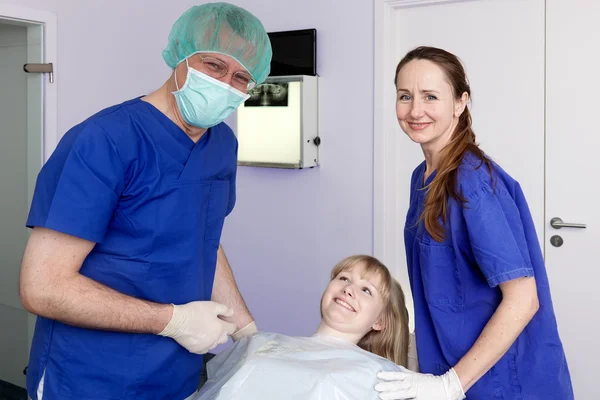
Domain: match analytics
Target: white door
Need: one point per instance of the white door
(27, 124)
(572, 185)
(533, 67)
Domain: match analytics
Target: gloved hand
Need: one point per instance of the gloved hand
(248, 330)
(197, 327)
(413, 385)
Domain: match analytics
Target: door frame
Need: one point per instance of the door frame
(47, 20)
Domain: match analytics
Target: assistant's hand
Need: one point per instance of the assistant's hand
(413, 385)
(197, 327)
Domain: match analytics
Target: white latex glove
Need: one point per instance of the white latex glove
(197, 327)
(413, 385)
(248, 330)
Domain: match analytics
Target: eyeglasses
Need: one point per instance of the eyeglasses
(217, 69)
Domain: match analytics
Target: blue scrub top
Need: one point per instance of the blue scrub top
(489, 241)
(154, 202)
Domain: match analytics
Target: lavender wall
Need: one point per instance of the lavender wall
(289, 227)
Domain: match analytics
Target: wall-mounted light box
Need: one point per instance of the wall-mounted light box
(278, 125)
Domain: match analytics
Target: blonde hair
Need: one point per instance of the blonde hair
(391, 342)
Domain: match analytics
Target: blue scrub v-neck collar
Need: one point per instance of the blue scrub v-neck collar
(175, 131)
(424, 182)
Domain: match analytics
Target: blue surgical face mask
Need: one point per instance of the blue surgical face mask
(204, 101)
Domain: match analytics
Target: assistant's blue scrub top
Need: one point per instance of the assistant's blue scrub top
(154, 201)
(489, 241)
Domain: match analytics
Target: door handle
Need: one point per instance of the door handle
(40, 69)
(558, 223)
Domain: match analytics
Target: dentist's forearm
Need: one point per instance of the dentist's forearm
(225, 291)
(51, 286)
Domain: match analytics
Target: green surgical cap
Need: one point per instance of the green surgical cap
(221, 28)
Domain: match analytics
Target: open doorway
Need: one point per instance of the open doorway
(27, 115)
(15, 164)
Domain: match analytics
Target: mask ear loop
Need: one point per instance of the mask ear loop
(175, 75)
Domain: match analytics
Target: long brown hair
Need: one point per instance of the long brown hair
(392, 341)
(444, 185)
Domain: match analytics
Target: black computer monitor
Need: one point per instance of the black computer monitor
(294, 52)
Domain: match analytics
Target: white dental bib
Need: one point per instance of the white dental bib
(273, 366)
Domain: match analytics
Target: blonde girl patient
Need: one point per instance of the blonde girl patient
(363, 328)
